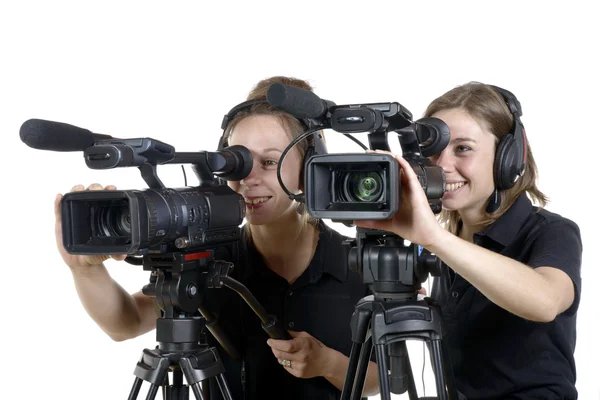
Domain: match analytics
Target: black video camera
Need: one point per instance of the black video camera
(345, 187)
(153, 221)
(159, 219)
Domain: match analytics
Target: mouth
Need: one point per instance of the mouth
(254, 202)
(454, 187)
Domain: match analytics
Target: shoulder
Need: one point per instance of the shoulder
(548, 221)
(331, 235)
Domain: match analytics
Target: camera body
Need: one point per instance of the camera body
(157, 220)
(150, 221)
(344, 187)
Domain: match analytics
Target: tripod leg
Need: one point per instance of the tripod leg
(197, 391)
(152, 392)
(135, 389)
(223, 386)
(355, 352)
(441, 371)
(382, 364)
(362, 368)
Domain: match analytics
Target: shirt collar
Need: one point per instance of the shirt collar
(322, 262)
(328, 261)
(505, 228)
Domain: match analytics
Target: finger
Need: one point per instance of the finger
(296, 334)
(57, 200)
(422, 291)
(118, 257)
(283, 355)
(95, 186)
(407, 169)
(58, 219)
(110, 187)
(77, 188)
(289, 346)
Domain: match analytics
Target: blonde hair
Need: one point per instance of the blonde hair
(486, 106)
(291, 125)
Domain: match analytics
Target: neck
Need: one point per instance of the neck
(286, 246)
(471, 223)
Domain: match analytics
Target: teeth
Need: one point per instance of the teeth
(454, 186)
(257, 200)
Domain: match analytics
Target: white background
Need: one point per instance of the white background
(170, 70)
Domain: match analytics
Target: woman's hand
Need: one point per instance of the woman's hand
(78, 263)
(414, 220)
(307, 356)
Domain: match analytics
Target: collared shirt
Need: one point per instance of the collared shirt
(495, 354)
(320, 302)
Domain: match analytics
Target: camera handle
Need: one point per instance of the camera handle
(177, 282)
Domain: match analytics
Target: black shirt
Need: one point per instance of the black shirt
(321, 302)
(495, 354)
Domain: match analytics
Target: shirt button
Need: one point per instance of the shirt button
(291, 324)
(454, 295)
(290, 293)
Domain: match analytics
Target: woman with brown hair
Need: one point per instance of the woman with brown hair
(510, 285)
(295, 266)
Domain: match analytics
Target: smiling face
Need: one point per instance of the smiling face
(266, 138)
(468, 162)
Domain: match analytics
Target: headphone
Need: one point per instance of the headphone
(511, 153)
(316, 146)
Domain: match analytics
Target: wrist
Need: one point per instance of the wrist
(334, 361)
(441, 241)
(87, 271)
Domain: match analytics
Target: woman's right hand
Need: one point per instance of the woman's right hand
(79, 262)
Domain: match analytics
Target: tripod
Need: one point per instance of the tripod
(393, 314)
(177, 281)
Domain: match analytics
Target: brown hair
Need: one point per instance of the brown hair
(486, 106)
(290, 124)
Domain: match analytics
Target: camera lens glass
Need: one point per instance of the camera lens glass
(115, 221)
(364, 186)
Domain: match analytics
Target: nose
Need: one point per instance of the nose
(444, 160)
(254, 178)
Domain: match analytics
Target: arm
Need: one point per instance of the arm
(535, 294)
(121, 315)
(335, 373)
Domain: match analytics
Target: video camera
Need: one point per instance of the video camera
(349, 186)
(156, 220)
(189, 238)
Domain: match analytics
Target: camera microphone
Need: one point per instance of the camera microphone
(57, 136)
(300, 103)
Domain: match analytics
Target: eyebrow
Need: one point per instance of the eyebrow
(463, 139)
(271, 149)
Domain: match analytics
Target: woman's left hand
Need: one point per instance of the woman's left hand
(414, 220)
(307, 356)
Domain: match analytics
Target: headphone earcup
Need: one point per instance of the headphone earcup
(504, 168)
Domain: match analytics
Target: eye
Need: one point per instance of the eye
(269, 162)
(462, 149)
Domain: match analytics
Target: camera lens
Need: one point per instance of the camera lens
(115, 221)
(364, 186)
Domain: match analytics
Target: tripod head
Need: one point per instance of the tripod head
(392, 268)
